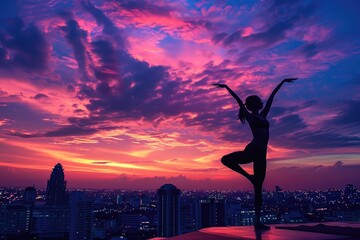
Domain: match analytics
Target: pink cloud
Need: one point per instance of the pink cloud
(247, 31)
(317, 34)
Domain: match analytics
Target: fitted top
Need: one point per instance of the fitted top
(258, 121)
(260, 130)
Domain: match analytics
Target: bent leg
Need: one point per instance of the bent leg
(233, 160)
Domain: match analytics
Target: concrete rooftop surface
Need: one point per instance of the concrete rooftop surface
(313, 231)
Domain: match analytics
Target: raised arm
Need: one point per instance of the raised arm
(241, 104)
(267, 107)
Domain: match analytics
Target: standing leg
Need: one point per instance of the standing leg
(257, 204)
(233, 160)
(259, 177)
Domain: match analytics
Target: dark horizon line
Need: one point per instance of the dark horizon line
(155, 189)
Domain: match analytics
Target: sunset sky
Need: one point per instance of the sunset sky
(119, 91)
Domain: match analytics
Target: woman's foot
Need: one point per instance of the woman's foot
(261, 226)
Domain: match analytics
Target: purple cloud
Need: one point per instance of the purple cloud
(65, 131)
(22, 47)
(40, 96)
(76, 38)
(101, 19)
(145, 6)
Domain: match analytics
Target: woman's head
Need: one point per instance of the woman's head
(253, 102)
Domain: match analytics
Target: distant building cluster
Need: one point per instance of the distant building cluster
(60, 216)
(55, 213)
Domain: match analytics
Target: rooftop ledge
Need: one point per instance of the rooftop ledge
(314, 231)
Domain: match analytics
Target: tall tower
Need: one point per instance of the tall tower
(56, 186)
(168, 211)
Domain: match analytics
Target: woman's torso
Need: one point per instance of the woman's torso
(260, 130)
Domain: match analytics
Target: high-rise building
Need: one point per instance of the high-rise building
(233, 212)
(212, 212)
(29, 199)
(53, 219)
(188, 214)
(29, 196)
(14, 218)
(81, 217)
(56, 187)
(168, 211)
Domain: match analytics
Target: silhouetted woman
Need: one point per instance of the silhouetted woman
(255, 151)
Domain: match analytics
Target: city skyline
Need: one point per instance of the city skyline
(120, 92)
(169, 211)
